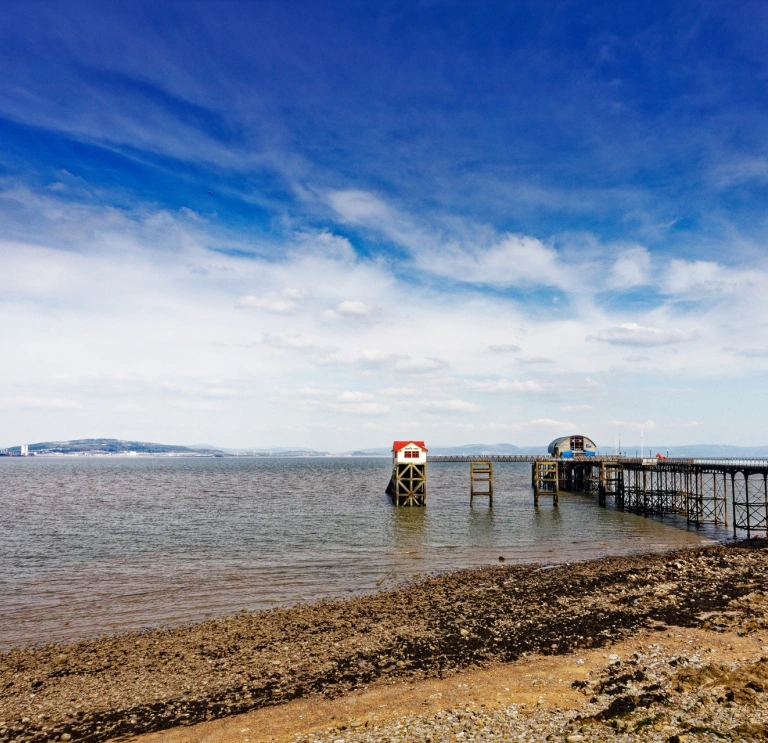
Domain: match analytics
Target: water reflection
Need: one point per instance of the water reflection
(409, 528)
(481, 528)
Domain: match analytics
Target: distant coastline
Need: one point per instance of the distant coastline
(103, 447)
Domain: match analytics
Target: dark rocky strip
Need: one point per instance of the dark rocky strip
(132, 683)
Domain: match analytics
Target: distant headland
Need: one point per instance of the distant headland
(121, 447)
(106, 447)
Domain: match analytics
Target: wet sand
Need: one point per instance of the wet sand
(420, 633)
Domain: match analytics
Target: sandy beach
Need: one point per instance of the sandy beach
(365, 665)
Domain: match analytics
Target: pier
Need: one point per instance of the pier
(698, 489)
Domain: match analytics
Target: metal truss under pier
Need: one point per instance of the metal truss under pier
(701, 490)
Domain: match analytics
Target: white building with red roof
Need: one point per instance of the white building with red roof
(409, 452)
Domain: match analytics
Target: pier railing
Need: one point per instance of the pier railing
(638, 461)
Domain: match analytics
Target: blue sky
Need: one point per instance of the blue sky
(335, 224)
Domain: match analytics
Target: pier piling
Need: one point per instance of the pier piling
(546, 481)
(481, 473)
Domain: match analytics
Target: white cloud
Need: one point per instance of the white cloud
(515, 260)
(349, 309)
(551, 423)
(534, 360)
(475, 255)
(502, 385)
(357, 206)
(632, 334)
(37, 403)
(639, 426)
(449, 406)
(347, 402)
(742, 171)
(706, 278)
(504, 348)
(363, 408)
(278, 302)
(355, 397)
(420, 366)
(631, 268)
(399, 392)
(289, 340)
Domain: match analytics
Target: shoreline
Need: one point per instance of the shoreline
(139, 682)
(101, 616)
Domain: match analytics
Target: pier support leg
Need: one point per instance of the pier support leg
(546, 479)
(408, 485)
(480, 474)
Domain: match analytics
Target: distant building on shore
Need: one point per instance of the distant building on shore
(572, 446)
(24, 450)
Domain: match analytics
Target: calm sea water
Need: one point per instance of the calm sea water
(93, 545)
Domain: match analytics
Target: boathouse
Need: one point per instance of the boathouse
(409, 452)
(572, 446)
(408, 484)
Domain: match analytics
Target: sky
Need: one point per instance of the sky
(335, 224)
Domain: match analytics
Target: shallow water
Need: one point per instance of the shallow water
(91, 545)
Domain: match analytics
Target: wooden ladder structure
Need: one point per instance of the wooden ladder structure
(546, 481)
(481, 481)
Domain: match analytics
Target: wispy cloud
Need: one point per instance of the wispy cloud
(279, 302)
(632, 268)
(502, 385)
(632, 334)
(504, 348)
(349, 310)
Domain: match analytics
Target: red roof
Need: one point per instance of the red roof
(400, 444)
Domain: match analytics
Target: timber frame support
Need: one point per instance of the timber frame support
(546, 481)
(481, 481)
(408, 484)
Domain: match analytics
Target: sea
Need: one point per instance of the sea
(99, 545)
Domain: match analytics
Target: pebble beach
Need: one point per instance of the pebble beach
(173, 682)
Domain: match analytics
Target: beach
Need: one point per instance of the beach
(435, 628)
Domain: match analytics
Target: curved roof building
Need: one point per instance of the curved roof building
(570, 446)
